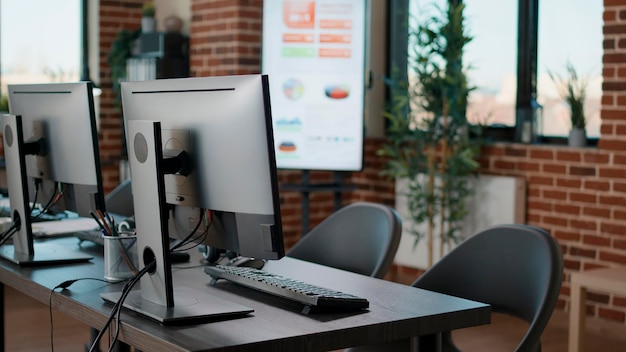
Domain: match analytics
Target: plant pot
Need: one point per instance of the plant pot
(148, 24)
(577, 137)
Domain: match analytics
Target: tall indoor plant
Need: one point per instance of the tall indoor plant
(121, 50)
(429, 137)
(573, 89)
(4, 103)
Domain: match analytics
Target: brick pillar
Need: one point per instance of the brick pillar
(613, 114)
(225, 37)
(114, 16)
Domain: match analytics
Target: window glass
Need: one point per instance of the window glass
(39, 41)
(490, 58)
(569, 31)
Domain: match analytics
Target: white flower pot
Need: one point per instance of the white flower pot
(148, 24)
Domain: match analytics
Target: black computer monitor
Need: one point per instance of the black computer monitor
(51, 150)
(199, 145)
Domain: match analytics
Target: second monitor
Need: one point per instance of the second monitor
(52, 156)
(204, 144)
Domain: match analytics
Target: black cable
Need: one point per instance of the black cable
(37, 183)
(196, 241)
(64, 285)
(8, 234)
(117, 308)
(50, 202)
(115, 311)
(185, 240)
(125, 292)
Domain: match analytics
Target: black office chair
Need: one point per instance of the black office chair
(361, 237)
(517, 269)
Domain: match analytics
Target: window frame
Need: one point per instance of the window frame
(527, 47)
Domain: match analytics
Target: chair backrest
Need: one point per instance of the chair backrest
(361, 237)
(517, 269)
(120, 200)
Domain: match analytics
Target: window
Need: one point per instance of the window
(514, 45)
(39, 41)
(491, 56)
(569, 31)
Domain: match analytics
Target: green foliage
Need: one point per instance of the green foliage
(429, 140)
(4, 103)
(148, 9)
(121, 50)
(573, 89)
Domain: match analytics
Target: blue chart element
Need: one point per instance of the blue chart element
(289, 122)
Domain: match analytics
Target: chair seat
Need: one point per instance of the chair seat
(517, 269)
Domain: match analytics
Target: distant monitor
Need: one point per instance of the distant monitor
(51, 151)
(199, 145)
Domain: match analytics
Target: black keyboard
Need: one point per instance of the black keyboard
(313, 297)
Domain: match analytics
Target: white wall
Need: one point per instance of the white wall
(496, 200)
(180, 8)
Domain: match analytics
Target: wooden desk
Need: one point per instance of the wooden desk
(611, 280)
(396, 311)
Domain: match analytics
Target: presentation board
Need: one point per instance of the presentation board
(313, 52)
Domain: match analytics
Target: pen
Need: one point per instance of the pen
(99, 223)
(106, 226)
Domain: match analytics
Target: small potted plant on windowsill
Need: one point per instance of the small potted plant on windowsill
(148, 22)
(573, 89)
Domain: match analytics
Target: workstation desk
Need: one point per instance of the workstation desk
(396, 311)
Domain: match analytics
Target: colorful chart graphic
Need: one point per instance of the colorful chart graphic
(289, 122)
(299, 14)
(340, 91)
(293, 88)
(287, 147)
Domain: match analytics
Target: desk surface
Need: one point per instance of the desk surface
(396, 311)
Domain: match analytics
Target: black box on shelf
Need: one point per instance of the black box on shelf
(163, 44)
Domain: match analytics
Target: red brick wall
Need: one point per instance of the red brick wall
(577, 194)
(225, 37)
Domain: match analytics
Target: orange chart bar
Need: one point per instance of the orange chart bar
(336, 38)
(334, 53)
(336, 24)
(299, 14)
(297, 38)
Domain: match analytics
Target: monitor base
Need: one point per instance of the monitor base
(192, 306)
(44, 254)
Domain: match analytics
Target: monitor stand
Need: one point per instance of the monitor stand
(43, 254)
(192, 306)
(158, 299)
(24, 251)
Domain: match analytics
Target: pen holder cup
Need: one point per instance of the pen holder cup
(120, 257)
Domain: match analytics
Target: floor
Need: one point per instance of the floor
(504, 333)
(28, 326)
(28, 330)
